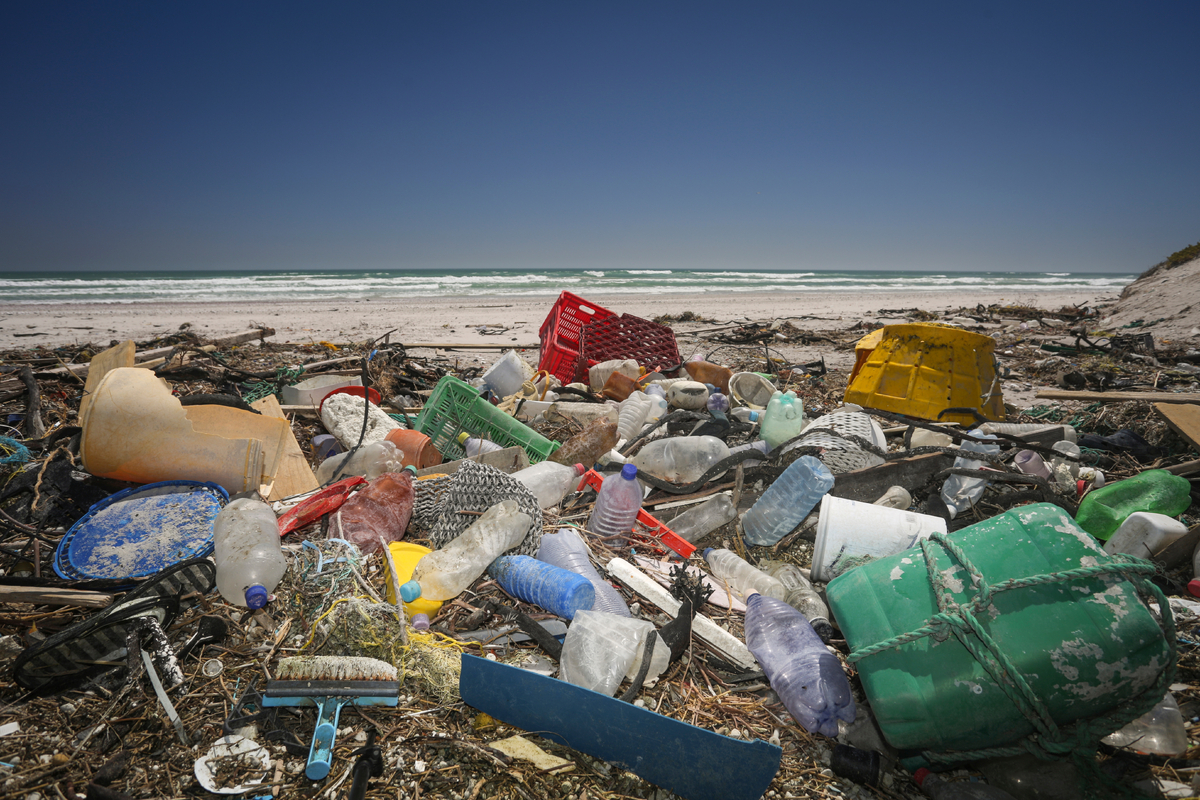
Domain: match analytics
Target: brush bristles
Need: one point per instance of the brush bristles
(334, 668)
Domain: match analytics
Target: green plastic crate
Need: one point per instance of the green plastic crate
(455, 407)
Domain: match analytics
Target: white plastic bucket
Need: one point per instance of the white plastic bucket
(849, 531)
(310, 391)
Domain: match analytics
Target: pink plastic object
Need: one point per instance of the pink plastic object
(664, 534)
(562, 335)
(378, 514)
(324, 502)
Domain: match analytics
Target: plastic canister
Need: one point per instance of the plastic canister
(506, 375)
(932, 693)
(250, 562)
(1102, 511)
(784, 418)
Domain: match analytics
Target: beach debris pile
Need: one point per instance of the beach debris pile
(679, 557)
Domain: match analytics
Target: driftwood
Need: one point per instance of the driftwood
(34, 428)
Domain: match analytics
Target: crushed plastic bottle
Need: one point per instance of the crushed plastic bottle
(787, 501)
(658, 402)
(550, 482)
(369, 461)
(617, 504)
(1160, 731)
(701, 520)
(377, 514)
(250, 562)
(783, 419)
(567, 550)
(445, 573)
(559, 591)
(960, 492)
(801, 595)
(806, 676)
(601, 649)
(681, 459)
(741, 576)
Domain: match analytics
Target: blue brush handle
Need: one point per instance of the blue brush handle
(320, 755)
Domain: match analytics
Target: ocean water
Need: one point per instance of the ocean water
(157, 287)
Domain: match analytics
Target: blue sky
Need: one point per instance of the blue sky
(932, 135)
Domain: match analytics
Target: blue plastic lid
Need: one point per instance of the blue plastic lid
(257, 596)
(629, 472)
(411, 468)
(707, 550)
(410, 591)
(754, 416)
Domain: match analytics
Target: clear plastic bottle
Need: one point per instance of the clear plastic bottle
(658, 402)
(939, 789)
(1160, 731)
(559, 591)
(747, 415)
(801, 595)
(787, 501)
(783, 419)
(741, 576)
(681, 459)
(806, 676)
(701, 520)
(567, 550)
(602, 649)
(895, 497)
(474, 446)
(586, 447)
(1022, 429)
(960, 492)
(377, 514)
(250, 562)
(445, 573)
(633, 415)
(757, 444)
(550, 482)
(617, 504)
(369, 461)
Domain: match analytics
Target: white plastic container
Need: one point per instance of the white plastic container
(550, 482)
(1144, 533)
(506, 375)
(370, 461)
(783, 419)
(445, 573)
(249, 560)
(310, 391)
(849, 531)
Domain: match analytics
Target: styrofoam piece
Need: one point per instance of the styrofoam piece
(848, 530)
(729, 646)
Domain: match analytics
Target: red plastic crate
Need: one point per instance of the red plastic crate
(648, 343)
(562, 332)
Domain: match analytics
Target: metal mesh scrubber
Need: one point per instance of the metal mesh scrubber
(478, 487)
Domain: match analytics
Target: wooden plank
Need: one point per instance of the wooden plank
(1186, 468)
(1120, 397)
(42, 596)
(1183, 419)
(293, 475)
(446, 346)
(120, 355)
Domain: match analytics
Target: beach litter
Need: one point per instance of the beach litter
(979, 515)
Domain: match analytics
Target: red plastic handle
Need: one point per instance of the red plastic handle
(660, 531)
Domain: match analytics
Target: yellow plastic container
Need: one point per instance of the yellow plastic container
(862, 351)
(402, 561)
(921, 370)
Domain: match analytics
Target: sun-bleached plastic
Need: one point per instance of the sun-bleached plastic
(895, 497)
(783, 419)
(474, 446)
(369, 461)
(1144, 533)
(801, 595)
(691, 395)
(598, 374)
(586, 447)
(567, 550)
(960, 492)
(550, 482)
(602, 649)
(806, 676)
(751, 390)
(617, 504)
(376, 515)
(850, 533)
(658, 402)
(1160, 731)
(506, 374)
(741, 576)
(787, 501)
(926, 438)
(1023, 429)
(1065, 470)
(1031, 463)
(701, 520)
(445, 573)
(632, 415)
(681, 459)
(559, 591)
(250, 562)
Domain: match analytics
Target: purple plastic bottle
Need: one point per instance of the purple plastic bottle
(807, 677)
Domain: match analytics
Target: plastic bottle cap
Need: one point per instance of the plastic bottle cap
(257, 596)
(410, 591)
(629, 472)
(462, 437)
(1194, 587)
(580, 469)
(920, 775)
(707, 550)
(411, 468)
(420, 622)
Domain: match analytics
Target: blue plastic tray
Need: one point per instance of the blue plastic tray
(139, 532)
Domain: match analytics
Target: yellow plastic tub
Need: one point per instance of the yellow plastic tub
(402, 561)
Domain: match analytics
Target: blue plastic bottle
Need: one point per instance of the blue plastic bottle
(787, 501)
(617, 504)
(807, 677)
(557, 590)
(567, 550)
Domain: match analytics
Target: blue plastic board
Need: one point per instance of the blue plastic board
(692, 762)
(139, 532)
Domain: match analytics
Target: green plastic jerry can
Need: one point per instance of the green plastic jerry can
(1085, 645)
